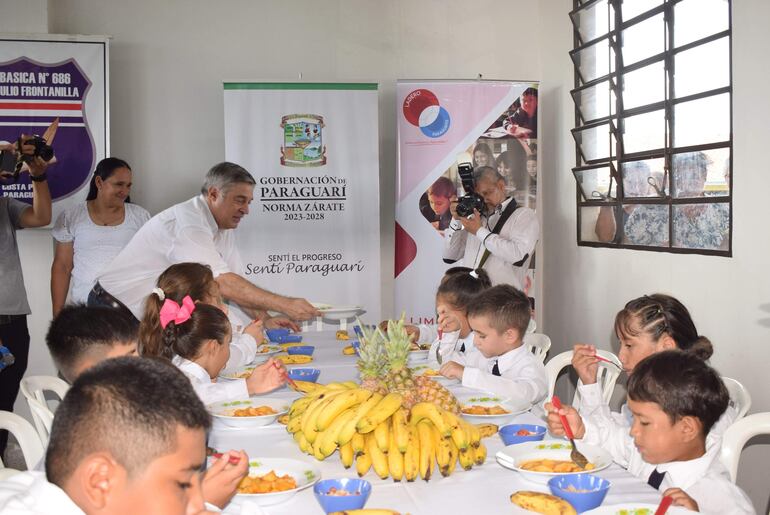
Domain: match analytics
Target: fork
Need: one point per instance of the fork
(575, 455)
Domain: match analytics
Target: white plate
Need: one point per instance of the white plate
(511, 456)
(489, 400)
(268, 350)
(341, 312)
(238, 373)
(420, 370)
(634, 509)
(304, 473)
(417, 357)
(223, 411)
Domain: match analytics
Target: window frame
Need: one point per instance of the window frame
(617, 121)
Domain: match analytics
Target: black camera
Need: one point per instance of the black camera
(471, 200)
(42, 148)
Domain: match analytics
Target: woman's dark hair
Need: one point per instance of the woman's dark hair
(657, 315)
(515, 160)
(207, 322)
(682, 385)
(460, 287)
(104, 170)
(483, 148)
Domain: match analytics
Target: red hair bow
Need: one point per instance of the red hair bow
(177, 313)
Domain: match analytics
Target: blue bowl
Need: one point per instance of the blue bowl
(304, 374)
(305, 350)
(509, 436)
(356, 346)
(289, 338)
(592, 490)
(332, 503)
(274, 334)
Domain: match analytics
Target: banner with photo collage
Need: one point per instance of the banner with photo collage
(314, 227)
(442, 124)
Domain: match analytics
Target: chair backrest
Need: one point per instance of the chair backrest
(740, 398)
(25, 434)
(33, 388)
(736, 436)
(538, 344)
(606, 376)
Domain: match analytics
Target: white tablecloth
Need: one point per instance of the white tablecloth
(483, 490)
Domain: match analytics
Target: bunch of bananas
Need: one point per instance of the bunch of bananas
(375, 431)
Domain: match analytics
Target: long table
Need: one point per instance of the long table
(483, 490)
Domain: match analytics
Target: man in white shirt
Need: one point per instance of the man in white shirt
(510, 251)
(200, 230)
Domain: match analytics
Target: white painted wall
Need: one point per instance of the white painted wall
(169, 58)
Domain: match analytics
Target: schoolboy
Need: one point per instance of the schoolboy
(80, 337)
(675, 399)
(129, 437)
(497, 361)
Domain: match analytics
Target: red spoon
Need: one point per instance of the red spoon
(599, 358)
(664, 504)
(286, 376)
(575, 455)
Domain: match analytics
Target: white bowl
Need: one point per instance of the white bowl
(304, 473)
(489, 400)
(421, 369)
(417, 357)
(223, 411)
(513, 455)
(632, 508)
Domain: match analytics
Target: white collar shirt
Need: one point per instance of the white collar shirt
(522, 376)
(208, 391)
(186, 232)
(30, 493)
(447, 345)
(516, 241)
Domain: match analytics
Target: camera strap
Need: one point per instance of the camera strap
(504, 216)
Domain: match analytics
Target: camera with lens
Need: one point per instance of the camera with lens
(42, 148)
(471, 200)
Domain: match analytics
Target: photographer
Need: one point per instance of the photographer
(14, 308)
(472, 237)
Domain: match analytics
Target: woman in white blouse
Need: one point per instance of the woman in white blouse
(90, 234)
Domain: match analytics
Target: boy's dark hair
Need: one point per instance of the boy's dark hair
(682, 385)
(128, 407)
(506, 307)
(459, 287)
(79, 330)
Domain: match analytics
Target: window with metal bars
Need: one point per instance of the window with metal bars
(653, 124)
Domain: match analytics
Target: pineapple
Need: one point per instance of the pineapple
(371, 362)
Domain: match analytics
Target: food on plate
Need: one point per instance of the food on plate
(484, 410)
(266, 484)
(430, 372)
(349, 350)
(296, 359)
(544, 504)
(487, 430)
(262, 349)
(554, 466)
(283, 419)
(333, 491)
(254, 411)
(414, 346)
(342, 335)
(243, 374)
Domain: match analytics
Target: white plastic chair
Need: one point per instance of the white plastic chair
(24, 433)
(736, 436)
(538, 344)
(33, 388)
(740, 398)
(606, 375)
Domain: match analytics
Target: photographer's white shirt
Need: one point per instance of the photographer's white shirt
(186, 232)
(516, 240)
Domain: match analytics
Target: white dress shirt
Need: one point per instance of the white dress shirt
(30, 493)
(522, 376)
(186, 232)
(209, 391)
(449, 344)
(705, 479)
(516, 240)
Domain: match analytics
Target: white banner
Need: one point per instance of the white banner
(57, 84)
(314, 228)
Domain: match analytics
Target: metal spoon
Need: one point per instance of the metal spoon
(575, 455)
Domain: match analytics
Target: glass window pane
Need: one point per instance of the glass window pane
(643, 178)
(706, 120)
(594, 183)
(643, 39)
(702, 226)
(595, 61)
(696, 19)
(703, 173)
(644, 86)
(645, 224)
(632, 8)
(597, 101)
(596, 142)
(702, 68)
(591, 227)
(644, 132)
(594, 21)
